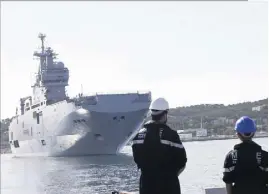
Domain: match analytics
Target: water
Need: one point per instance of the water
(103, 174)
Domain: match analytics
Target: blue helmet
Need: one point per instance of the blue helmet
(245, 125)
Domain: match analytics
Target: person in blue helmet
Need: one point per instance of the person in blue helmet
(246, 166)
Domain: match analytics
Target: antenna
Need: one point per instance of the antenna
(42, 37)
(81, 89)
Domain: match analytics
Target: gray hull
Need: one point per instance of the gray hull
(65, 129)
(105, 134)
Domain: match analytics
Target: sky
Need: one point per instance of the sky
(188, 52)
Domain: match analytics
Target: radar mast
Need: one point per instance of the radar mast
(42, 38)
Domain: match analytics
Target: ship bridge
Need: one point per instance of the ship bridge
(52, 77)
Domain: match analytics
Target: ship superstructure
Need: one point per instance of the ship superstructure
(50, 122)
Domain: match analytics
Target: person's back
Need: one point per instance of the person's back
(245, 167)
(160, 155)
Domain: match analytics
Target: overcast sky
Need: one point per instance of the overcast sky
(187, 52)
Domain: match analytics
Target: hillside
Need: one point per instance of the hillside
(216, 116)
(219, 110)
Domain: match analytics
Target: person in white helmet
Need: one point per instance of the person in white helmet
(159, 153)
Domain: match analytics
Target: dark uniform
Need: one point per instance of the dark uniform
(247, 168)
(160, 155)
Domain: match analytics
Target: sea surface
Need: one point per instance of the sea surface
(103, 174)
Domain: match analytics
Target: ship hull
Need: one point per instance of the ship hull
(80, 131)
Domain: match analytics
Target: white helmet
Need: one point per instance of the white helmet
(158, 106)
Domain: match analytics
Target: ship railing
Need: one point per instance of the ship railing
(141, 92)
(146, 94)
(93, 98)
(54, 70)
(84, 100)
(38, 54)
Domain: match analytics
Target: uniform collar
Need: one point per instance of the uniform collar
(246, 144)
(151, 122)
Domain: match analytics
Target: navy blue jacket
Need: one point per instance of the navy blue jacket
(246, 167)
(159, 153)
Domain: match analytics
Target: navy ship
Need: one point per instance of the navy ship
(49, 122)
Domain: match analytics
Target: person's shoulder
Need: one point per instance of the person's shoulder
(168, 129)
(148, 123)
(143, 130)
(265, 154)
(172, 133)
(141, 134)
(231, 154)
(230, 158)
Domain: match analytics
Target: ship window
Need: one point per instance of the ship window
(37, 118)
(22, 124)
(26, 132)
(34, 114)
(122, 117)
(114, 118)
(41, 103)
(98, 137)
(43, 142)
(31, 131)
(35, 106)
(16, 144)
